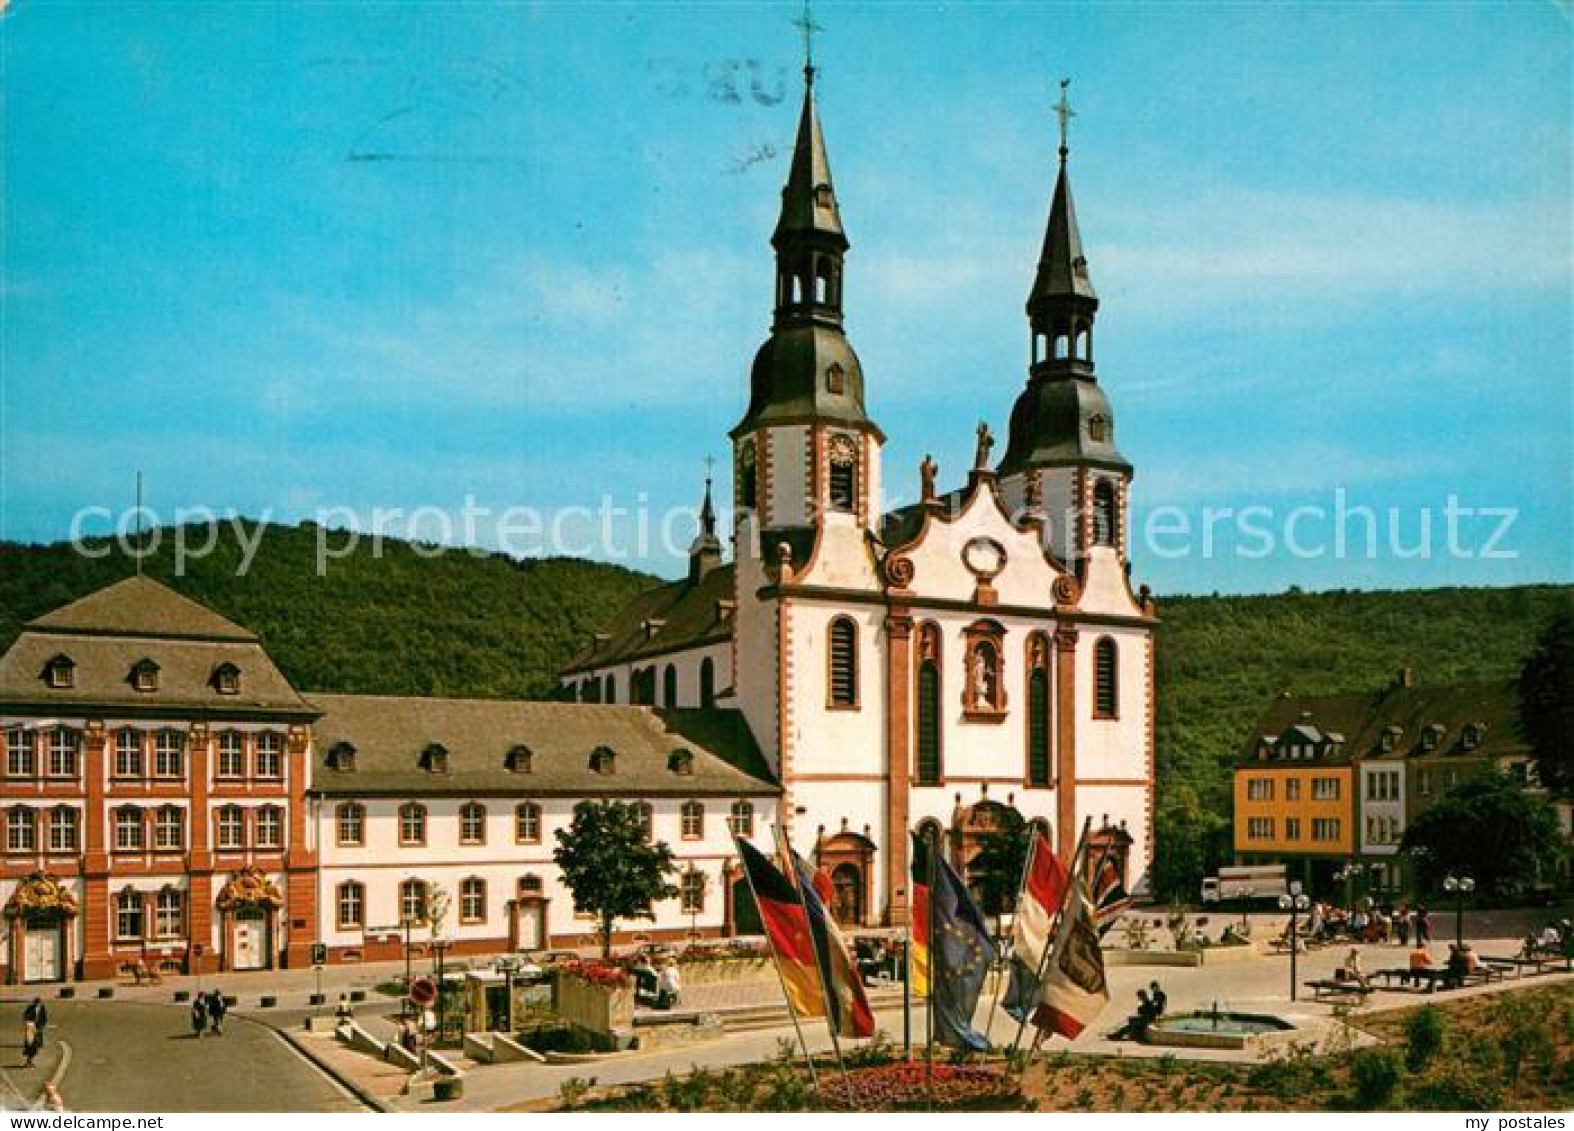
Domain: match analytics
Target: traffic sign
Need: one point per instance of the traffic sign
(423, 991)
(319, 954)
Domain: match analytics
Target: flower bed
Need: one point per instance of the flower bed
(904, 1086)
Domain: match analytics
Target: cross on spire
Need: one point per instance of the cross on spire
(1065, 113)
(807, 25)
(710, 464)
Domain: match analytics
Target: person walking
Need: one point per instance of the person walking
(1402, 924)
(35, 1019)
(1423, 926)
(199, 1016)
(217, 1008)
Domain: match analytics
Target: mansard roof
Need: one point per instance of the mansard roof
(108, 633)
(389, 733)
(1362, 718)
(669, 618)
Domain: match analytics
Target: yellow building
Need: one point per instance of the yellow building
(1295, 798)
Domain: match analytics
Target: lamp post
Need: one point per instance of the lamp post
(1294, 902)
(508, 967)
(1459, 887)
(1346, 875)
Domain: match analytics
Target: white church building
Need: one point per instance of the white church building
(982, 649)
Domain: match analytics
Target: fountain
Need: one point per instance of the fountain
(1213, 1028)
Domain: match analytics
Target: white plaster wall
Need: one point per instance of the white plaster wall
(754, 638)
(788, 502)
(1394, 808)
(939, 570)
(1113, 748)
(836, 740)
(381, 864)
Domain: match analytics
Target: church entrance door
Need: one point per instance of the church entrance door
(847, 883)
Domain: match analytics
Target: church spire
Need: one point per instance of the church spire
(1062, 303)
(705, 552)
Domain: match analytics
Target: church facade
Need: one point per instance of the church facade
(931, 666)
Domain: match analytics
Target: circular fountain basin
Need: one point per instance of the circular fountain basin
(1207, 1030)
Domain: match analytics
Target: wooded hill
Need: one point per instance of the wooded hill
(407, 621)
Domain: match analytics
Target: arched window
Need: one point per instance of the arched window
(1084, 346)
(350, 822)
(822, 279)
(232, 828)
(413, 903)
(843, 473)
(842, 690)
(1038, 710)
(270, 754)
(692, 820)
(412, 824)
(472, 900)
(168, 914)
(929, 766)
(530, 884)
(1104, 516)
(1062, 344)
(351, 900)
(169, 828)
(472, 823)
(612, 689)
(527, 823)
(669, 687)
(707, 682)
(741, 819)
(169, 754)
(1106, 695)
(748, 477)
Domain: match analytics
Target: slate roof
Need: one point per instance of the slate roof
(107, 632)
(390, 733)
(1362, 718)
(689, 614)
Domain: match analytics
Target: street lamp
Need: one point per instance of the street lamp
(1346, 875)
(1294, 902)
(508, 966)
(1459, 887)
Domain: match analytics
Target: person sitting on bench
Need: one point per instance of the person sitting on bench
(1420, 964)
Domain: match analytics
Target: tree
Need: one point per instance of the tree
(1546, 703)
(996, 869)
(613, 871)
(1191, 840)
(1488, 828)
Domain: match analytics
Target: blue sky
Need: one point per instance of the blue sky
(290, 257)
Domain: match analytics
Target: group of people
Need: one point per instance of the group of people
(659, 988)
(1555, 940)
(1151, 1004)
(207, 1014)
(1369, 922)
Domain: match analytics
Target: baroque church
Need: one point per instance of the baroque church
(981, 649)
(172, 801)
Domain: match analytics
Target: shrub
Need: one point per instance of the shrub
(1454, 1086)
(1375, 1075)
(1424, 1031)
(571, 1091)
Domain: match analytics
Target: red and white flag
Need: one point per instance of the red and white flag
(1074, 990)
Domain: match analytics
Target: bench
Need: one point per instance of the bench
(1324, 989)
(1409, 979)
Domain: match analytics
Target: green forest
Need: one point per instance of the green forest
(404, 618)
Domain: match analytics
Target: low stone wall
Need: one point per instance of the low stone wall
(1207, 956)
(593, 1008)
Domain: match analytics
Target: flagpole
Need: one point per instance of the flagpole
(1054, 927)
(780, 977)
(907, 982)
(933, 963)
(832, 1012)
(1016, 914)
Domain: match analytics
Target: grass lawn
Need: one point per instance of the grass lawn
(1510, 1050)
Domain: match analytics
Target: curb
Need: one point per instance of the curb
(370, 1101)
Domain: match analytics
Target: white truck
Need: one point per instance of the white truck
(1245, 883)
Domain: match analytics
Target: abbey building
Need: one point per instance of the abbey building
(171, 801)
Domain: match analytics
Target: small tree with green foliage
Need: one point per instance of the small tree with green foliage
(1488, 828)
(1546, 703)
(610, 867)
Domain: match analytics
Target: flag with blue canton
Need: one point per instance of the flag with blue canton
(961, 951)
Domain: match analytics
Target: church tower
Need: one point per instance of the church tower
(1061, 458)
(806, 454)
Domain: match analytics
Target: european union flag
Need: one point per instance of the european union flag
(960, 950)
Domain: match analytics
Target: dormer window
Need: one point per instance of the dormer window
(434, 759)
(517, 760)
(1390, 739)
(60, 672)
(653, 626)
(835, 378)
(1470, 737)
(144, 675)
(1431, 737)
(681, 762)
(823, 197)
(341, 758)
(226, 679)
(1098, 428)
(602, 760)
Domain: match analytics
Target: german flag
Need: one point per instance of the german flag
(787, 926)
(844, 985)
(918, 928)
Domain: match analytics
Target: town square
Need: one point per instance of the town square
(779, 557)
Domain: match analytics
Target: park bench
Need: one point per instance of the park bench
(1324, 989)
(1402, 978)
